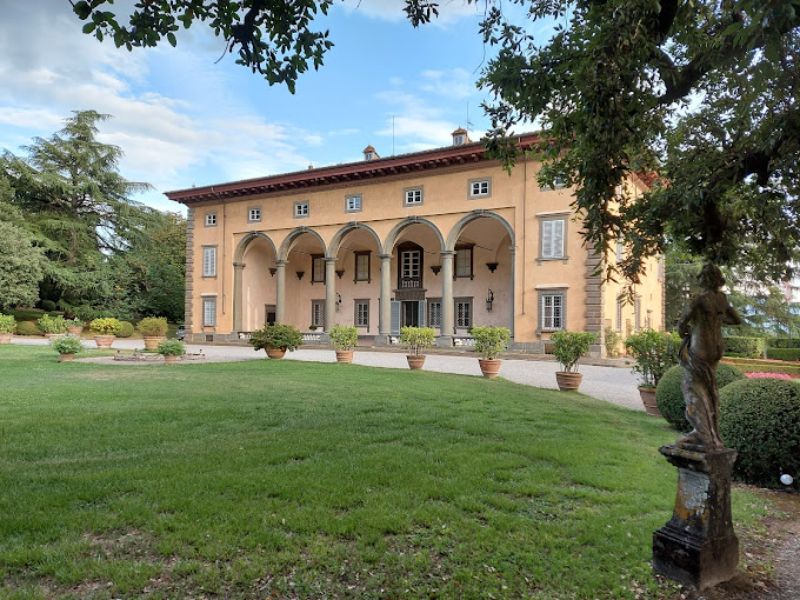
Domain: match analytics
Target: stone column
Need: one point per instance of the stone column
(330, 293)
(280, 291)
(385, 321)
(698, 546)
(513, 292)
(446, 336)
(238, 267)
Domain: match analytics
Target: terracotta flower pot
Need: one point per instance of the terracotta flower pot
(75, 330)
(648, 395)
(5, 338)
(568, 382)
(104, 341)
(415, 361)
(170, 359)
(151, 342)
(276, 353)
(490, 367)
(344, 356)
(66, 357)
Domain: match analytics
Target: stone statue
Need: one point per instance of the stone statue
(700, 353)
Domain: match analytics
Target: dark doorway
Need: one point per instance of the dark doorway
(270, 311)
(410, 314)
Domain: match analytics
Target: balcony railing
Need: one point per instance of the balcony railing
(410, 283)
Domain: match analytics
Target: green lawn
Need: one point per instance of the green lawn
(277, 478)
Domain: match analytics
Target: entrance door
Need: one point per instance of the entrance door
(410, 314)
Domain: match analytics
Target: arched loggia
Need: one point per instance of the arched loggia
(239, 265)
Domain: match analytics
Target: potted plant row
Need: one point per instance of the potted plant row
(105, 330)
(490, 342)
(171, 350)
(568, 348)
(653, 352)
(74, 326)
(276, 339)
(8, 326)
(51, 326)
(67, 347)
(417, 339)
(344, 338)
(153, 330)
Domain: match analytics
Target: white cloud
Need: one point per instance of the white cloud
(455, 83)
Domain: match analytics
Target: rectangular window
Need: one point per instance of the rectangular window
(463, 310)
(464, 261)
(317, 268)
(620, 303)
(552, 311)
(209, 261)
(552, 238)
(637, 312)
(413, 196)
(434, 312)
(619, 251)
(254, 215)
(362, 313)
(211, 219)
(318, 313)
(558, 183)
(301, 209)
(352, 203)
(362, 271)
(410, 264)
(209, 311)
(480, 188)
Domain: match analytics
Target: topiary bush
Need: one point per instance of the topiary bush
(28, 328)
(570, 346)
(760, 419)
(343, 337)
(491, 341)
(417, 339)
(153, 326)
(669, 395)
(276, 335)
(125, 329)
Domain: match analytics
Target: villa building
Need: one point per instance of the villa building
(444, 238)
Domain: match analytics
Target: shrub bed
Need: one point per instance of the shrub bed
(747, 347)
(28, 328)
(760, 419)
(783, 353)
(669, 395)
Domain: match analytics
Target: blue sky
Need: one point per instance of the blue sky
(181, 119)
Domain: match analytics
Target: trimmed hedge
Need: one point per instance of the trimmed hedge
(669, 395)
(28, 328)
(762, 366)
(783, 353)
(783, 342)
(125, 329)
(27, 314)
(760, 419)
(747, 347)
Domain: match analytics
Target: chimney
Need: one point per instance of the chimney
(370, 153)
(460, 137)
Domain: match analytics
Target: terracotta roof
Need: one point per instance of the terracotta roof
(355, 171)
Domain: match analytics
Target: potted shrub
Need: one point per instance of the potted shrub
(344, 338)
(654, 353)
(489, 342)
(417, 339)
(153, 330)
(568, 348)
(74, 326)
(276, 339)
(8, 325)
(67, 347)
(171, 350)
(105, 330)
(52, 326)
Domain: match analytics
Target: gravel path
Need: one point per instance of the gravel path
(613, 384)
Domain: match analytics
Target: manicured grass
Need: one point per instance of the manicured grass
(286, 479)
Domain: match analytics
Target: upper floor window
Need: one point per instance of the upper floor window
(254, 214)
(352, 203)
(317, 268)
(410, 264)
(464, 262)
(211, 219)
(413, 196)
(301, 209)
(209, 261)
(362, 266)
(480, 188)
(553, 238)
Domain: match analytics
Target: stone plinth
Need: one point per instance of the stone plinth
(697, 546)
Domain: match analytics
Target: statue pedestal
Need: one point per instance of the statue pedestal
(698, 546)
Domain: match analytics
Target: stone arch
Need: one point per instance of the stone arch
(333, 248)
(459, 227)
(286, 246)
(238, 254)
(391, 239)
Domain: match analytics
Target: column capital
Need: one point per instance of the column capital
(238, 265)
(385, 256)
(447, 253)
(281, 263)
(330, 259)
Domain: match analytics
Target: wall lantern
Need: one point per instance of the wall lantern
(300, 274)
(339, 273)
(338, 301)
(492, 266)
(489, 300)
(272, 271)
(436, 269)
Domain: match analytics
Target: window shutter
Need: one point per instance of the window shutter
(395, 320)
(422, 321)
(558, 239)
(547, 239)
